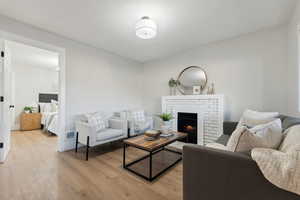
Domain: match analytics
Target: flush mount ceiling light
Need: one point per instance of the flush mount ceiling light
(146, 28)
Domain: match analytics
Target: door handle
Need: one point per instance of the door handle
(11, 106)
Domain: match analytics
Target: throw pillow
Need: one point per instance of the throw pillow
(267, 135)
(138, 115)
(98, 121)
(291, 139)
(251, 118)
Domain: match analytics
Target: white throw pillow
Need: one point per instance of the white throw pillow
(138, 116)
(98, 122)
(251, 118)
(267, 135)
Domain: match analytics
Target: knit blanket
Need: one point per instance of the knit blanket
(280, 168)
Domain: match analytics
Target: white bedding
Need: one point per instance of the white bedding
(49, 120)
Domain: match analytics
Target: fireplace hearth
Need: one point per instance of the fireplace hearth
(187, 123)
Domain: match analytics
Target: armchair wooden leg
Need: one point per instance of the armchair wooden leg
(87, 148)
(76, 145)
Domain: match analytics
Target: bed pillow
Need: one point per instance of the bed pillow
(267, 135)
(45, 107)
(251, 118)
(54, 106)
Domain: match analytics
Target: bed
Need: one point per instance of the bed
(48, 107)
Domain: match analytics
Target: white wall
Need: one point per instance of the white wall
(249, 71)
(29, 81)
(95, 79)
(293, 63)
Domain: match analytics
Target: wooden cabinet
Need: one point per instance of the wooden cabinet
(30, 121)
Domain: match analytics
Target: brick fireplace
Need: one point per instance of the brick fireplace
(201, 116)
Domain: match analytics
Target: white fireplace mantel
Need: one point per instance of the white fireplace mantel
(209, 109)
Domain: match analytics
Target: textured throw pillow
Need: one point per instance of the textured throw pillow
(98, 121)
(251, 118)
(291, 139)
(138, 116)
(267, 135)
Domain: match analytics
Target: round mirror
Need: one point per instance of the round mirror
(190, 77)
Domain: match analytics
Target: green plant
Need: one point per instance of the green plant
(172, 83)
(165, 117)
(28, 108)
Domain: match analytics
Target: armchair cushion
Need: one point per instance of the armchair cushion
(98, 121)
(115, 123)
(108, 134)
(138, 115)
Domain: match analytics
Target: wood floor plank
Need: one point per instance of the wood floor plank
(34, 170)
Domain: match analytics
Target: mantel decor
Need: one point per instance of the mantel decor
(190, 78)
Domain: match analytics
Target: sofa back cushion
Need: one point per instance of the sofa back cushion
(288, 122)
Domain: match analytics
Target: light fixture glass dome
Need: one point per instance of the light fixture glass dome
(146, 28)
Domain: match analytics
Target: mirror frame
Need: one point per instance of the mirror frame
(182, 72)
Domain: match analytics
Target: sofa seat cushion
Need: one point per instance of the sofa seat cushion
(223, 139)
(215, 145)
(108, 134)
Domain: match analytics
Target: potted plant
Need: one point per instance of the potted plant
(172, 84)
(167, 119)
(28, 109)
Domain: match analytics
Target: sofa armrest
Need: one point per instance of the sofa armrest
(221, 175)
(84, 130)
(229, 127)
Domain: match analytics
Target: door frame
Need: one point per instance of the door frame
(6, 36)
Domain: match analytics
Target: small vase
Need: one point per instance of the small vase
(166, 127)
(172, 91)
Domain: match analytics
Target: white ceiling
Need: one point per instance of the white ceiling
(32, 56)
(182, 24)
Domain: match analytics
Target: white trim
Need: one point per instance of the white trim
(298, 78)
(62, 78)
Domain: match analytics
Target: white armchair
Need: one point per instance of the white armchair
(138, 122)
(102, 131)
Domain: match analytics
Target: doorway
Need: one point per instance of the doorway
(33, 91)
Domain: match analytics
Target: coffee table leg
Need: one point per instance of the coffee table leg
(124, 155)
(150, 167)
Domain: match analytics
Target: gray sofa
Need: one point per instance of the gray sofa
(211, 174)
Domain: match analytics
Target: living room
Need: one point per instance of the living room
(246, 53)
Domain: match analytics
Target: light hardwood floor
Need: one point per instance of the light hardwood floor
(35, 171)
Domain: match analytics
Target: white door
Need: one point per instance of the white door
(5, 106)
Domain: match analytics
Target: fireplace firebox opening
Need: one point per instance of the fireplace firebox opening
(188, 123)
